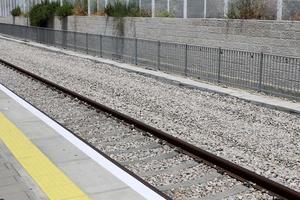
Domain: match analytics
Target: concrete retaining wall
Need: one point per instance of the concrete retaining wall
(276, 37)
(11, 20)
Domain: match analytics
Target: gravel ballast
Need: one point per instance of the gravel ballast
(95, 127)
(263, 140)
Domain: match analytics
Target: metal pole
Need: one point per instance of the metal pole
(86, 43)
(219, 65)
(61, 2)
(140, 5)
(136, 51)
(89, 7)
(101, 51)
(1, 11)
(158, 55)
(185, 9)
(5, 8)
(153, 8)
(24, 6)
(168, 5)
(204, 8)
(105, 3)
(98, 5)
(260, 71)
(279, 9)
(186, 60)
(225, 7)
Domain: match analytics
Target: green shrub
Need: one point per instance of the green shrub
(249, 9)
(40, 14)
(65, 10)
(80, 8)
(121, 9)
(164, 14)
(16, 11)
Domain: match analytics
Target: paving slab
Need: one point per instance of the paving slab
(66, 154)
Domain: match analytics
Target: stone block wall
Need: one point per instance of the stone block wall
(275, 37)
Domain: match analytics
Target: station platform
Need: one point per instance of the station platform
(40, 159)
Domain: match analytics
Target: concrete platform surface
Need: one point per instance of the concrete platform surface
(39, 159)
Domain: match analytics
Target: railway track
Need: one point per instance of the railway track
(176, 168)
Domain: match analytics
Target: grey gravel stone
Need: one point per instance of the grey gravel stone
(260, 139)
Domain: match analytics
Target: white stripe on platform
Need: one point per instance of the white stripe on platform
(129, 180)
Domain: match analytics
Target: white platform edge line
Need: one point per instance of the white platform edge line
(129, 180)
(258, 99)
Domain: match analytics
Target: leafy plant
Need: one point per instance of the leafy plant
(249, 9)
(16, 11)
(121, 9)
(296, 16)
(65, 10)
(41, 13)
(80, 9)
(164, 14)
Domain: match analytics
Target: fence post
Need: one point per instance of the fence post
(37, 34)
(186, 60)
(75, 41)
(116, 49)
(86, 43)
(158, 55)
(26, 33)
(101, 54)
(219, 64)
(260, 71)
(136, 51)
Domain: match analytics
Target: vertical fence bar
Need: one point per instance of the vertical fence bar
(158, 55)
(101, 51)
(86, 43)
(219, 64)
(186, 60)
(136, 51)
(260, 71)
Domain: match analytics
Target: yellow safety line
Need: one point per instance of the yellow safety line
(55, 184)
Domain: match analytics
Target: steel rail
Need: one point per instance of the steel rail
(230, 167)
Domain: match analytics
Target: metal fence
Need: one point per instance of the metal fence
(267, 73)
